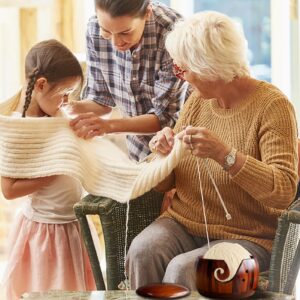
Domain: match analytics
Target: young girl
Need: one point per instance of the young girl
(46, 250)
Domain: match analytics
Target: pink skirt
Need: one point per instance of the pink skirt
(46, 256)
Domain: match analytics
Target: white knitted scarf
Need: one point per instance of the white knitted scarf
(37, 147)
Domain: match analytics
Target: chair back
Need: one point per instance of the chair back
(142, 211)
(285, 258)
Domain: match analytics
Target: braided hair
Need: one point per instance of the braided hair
(52, 60)
(30, 86)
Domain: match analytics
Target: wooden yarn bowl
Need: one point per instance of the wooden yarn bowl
(242, 285)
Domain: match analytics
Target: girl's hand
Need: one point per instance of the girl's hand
(88, 125)
(204, 143)
(163, 141)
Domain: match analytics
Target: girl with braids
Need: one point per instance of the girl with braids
(46, 250)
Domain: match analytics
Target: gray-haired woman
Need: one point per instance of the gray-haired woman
(243, 131)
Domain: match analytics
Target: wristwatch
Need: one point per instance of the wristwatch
(230, 159)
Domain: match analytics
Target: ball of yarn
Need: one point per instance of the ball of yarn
(232, 253)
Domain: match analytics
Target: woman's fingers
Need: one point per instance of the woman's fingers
(196, 140)
(82, 119)
(163, 141)
(163, 144)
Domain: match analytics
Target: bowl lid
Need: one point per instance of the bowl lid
(163, 291)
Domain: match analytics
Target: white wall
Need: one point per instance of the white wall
(10, 41)
(295, 60)
(186, 7)
(285, 49)
(9, 57)
(281, 47)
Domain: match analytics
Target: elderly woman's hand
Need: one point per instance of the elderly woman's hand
(204, 143)
(163, 141)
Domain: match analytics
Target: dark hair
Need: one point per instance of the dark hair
(117, 8)
(52, 60)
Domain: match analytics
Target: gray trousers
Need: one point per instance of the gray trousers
(166, 252)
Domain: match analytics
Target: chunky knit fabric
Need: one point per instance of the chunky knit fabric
(263, 127)
(37, 147)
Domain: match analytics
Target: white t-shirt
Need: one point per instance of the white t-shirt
(54, 203)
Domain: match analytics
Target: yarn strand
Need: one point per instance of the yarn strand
(125, 247)
(228, 216)
(203, 204)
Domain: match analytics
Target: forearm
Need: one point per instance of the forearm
(87, 105)
(273, 185)
(14, 188)
(148, 123)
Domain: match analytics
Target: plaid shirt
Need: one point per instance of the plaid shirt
(138, 82)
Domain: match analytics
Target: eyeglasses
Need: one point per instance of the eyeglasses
(179, 73)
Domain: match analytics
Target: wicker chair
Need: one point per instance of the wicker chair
(285, 258)
(143, 211)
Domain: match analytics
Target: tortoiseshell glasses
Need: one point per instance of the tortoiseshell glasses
(179, 73)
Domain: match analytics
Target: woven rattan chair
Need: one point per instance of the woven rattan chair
(285, 258)
(143, 211)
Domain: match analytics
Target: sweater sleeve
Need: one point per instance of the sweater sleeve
(273, 179)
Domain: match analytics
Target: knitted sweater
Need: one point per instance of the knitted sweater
(263, 127)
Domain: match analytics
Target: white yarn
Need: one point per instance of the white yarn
(203, 203)
(38, 147)
(227, 214)
(232, 253)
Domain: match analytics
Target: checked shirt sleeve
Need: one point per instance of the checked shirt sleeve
(170, 93)
(96, 87)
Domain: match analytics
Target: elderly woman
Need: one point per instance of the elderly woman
(239, 130)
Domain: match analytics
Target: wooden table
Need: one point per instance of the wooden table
(128, 295)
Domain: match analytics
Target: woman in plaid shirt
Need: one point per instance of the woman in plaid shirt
(129, 67)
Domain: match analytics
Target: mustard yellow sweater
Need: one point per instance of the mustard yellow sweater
(263, 127)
